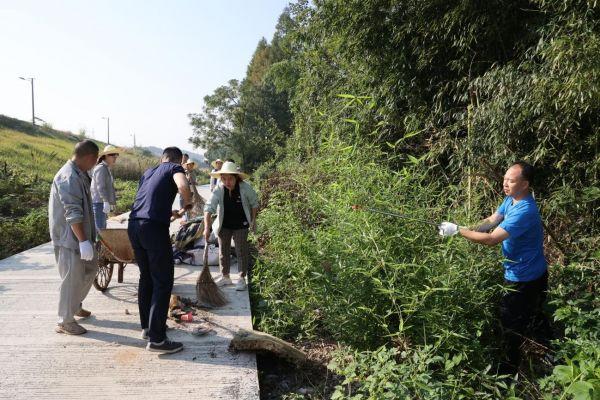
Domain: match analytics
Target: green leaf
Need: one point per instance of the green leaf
(590, 194)
(413, 133)
(415, 160)
(581, 390)
(564, 373)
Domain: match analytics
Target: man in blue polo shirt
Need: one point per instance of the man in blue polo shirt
(149, 235)
(518, 225)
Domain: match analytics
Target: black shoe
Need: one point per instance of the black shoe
(165, 347)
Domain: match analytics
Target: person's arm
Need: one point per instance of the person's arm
(488, 239)
(103, 183)
(253, 223)
(207, 225)
(488, 224)
(86, 249)
(72, 201)
(79, 231)
(101, 178)
(210, 208)
(184, 191)
(252, 199)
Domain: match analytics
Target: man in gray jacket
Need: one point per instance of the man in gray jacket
(73, 232)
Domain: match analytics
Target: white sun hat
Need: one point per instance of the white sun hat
(229, 168)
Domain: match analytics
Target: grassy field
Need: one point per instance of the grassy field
(29, 159)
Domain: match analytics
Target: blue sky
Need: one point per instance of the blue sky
(144, 64)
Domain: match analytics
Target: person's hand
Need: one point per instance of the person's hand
(86, 250)
(253, 227)
(175, 214)
(106, 207)
(448, 229)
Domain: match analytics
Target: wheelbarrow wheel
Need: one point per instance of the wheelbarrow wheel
(103, 276)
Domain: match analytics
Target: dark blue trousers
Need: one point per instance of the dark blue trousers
(154, 255)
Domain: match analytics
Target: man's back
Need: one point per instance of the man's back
(156, 193)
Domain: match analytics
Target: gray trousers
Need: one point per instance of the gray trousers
(77, 277)
(242, 250)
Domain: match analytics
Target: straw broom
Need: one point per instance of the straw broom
(207, 290)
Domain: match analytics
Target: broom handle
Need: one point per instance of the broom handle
(205, 255)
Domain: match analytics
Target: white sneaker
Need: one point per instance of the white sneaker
(223, 281)
(241, 284)
(145, 334)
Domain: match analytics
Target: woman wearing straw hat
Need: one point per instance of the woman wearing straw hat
(214, 182)
(190, 174)
(236, 204)
(104, 197)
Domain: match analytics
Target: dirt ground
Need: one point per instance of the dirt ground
(278, 378)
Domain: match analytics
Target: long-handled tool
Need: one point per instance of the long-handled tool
(358, 207)
(207, 290)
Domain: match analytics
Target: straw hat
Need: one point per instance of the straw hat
(214, 163)
(231, 169)
(190, 162)
(109, 149)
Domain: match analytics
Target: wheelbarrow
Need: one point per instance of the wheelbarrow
(114, 248)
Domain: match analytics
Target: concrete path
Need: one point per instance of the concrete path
(110, 360)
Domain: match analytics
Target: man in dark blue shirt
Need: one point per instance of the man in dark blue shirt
(518, 225)
(149, 235)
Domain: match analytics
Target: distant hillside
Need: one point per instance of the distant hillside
(198, 157)
(41, 151)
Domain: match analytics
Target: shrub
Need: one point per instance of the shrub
(369, 280)
(126, 191)
(21, 234)
(575, 297)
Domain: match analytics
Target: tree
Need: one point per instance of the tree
(246, 120)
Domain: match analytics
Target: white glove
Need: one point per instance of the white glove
(448, 229)
(86, 250)
(106, 207)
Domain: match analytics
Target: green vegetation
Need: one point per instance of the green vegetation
(419, 107)
(29, 159)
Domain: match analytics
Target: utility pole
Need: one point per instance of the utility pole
(32, 99)
(133, 134)
(107, 129)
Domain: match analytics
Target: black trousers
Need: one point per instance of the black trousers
(521, 314)
(154, 255)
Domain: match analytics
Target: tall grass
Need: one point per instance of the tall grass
(369, 280)
(415, 315)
